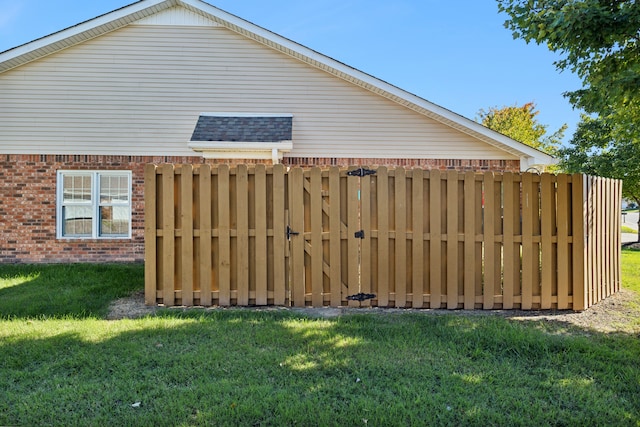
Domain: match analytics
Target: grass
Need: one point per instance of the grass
(275, 367)
(79, 290)
(626, 229)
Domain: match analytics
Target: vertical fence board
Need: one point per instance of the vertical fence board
(509, 253)
(452, 239)
(383, 237)
(335, 237)
(365, 244)
(168, 235)
(578, 256)
(150, 233)
(353, 243)
(547, 243)
(280, 283)
(564, 260)
(260, 194)
(469, 240)
(186, 226)
(204, 265)
(400, 262)
(224, 236)
(317, 257)
(527, 241)
(417, 243)
(490, 277)
(242, 230)
(435, 242)
(296, 211)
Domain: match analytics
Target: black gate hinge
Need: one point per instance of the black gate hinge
(359, 234)
(361, 172)
(290, 233)
(361, 297)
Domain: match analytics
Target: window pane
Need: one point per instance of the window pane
(76, 188)
(76, 221)
(114, 220)
(114, 189)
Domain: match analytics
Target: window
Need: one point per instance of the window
(94, 204)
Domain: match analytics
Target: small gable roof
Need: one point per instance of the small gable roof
(145, 8)
(236, 127)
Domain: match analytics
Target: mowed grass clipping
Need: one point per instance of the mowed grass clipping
(275, 367)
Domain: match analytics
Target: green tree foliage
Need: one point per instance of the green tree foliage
(597, 150)
(599, 41)
(521, 124)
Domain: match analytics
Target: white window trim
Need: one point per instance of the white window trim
(95, 204)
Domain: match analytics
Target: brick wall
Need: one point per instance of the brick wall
(28, 201)
(442, 164)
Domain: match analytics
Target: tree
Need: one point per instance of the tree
(596, 150)
(599, 40)
(521, 124)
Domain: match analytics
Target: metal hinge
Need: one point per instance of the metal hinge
(361, 172)
(361, 297)
(290, 233)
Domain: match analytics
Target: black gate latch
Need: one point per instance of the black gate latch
(359, 234)
(361, 172)
(290, 233)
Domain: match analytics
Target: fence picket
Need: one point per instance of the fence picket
(335, 237)
(384, 275)
(317, 256)
(365, 244)
(469, 240)
(490, 252)
(296, 212)
(150, 235)
(261, 271)
(186, 229)
(452, 239)
(168, 235)
(280, 283)
(417, 242)
(435, 236)
(564, 263)
(400, 226)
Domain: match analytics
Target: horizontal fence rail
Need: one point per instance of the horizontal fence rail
(389, 237)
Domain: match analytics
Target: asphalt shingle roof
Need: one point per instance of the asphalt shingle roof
(243, 129)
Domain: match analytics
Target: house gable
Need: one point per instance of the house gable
(164, 22)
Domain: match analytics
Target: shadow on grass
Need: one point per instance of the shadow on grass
(59, 290)
(278, 368)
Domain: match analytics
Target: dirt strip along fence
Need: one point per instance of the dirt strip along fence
(389, 237)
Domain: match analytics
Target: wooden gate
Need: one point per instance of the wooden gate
(392, 237)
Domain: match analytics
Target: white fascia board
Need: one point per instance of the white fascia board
(284, 146)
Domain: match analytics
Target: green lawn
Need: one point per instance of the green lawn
(274, 367)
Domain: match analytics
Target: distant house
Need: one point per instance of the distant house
(85, 108)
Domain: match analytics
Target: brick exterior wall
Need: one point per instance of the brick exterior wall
(441, 164)
(28, 201)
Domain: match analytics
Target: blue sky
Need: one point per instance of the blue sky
(455, 53)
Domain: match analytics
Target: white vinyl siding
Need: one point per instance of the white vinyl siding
(139, 91)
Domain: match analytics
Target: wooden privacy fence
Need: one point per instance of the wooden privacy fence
(393, 237)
